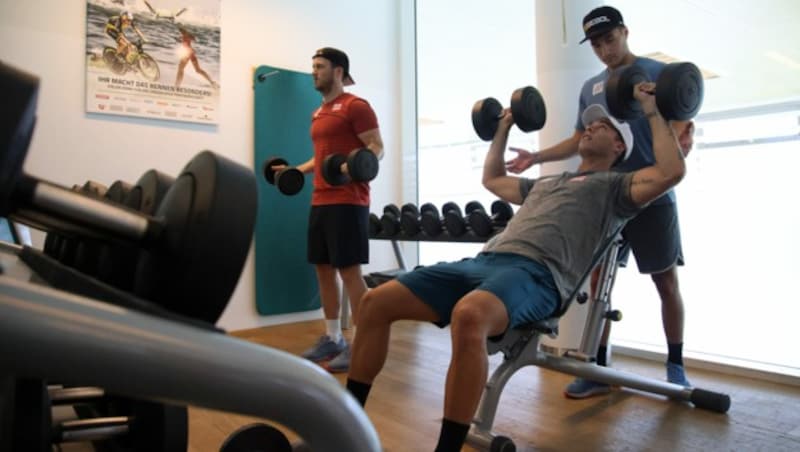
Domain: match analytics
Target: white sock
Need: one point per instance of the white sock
(333, 328)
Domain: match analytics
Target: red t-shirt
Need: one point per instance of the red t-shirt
(335, 127)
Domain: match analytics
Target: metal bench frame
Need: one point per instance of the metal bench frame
(520, 348)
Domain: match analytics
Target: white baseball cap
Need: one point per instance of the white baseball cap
(596, 111)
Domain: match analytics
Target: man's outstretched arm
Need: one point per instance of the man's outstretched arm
(560, 151)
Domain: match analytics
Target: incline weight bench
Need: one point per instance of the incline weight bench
(520, 348)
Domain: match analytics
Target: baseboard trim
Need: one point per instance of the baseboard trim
(725, 368)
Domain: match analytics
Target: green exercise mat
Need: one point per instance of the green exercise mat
(284, 102)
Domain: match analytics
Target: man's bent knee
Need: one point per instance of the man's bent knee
(479, 315)
(393, 301)
(467, 328)
(368, 301)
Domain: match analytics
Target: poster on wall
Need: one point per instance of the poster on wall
(153, 59)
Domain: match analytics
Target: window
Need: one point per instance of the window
(477, 50)
(738, 226)
(736, 205)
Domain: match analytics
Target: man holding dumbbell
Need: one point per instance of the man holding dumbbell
(525, 272)
(654, 235)
(347, 145)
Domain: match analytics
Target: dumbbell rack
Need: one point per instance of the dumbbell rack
(444, 236)
(56, 335)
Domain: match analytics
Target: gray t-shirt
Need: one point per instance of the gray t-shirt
(563, 221)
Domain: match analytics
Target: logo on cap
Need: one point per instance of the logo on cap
(599, 21)
(594, 22)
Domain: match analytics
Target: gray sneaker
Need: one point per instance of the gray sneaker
(341, 363)
(324, 349)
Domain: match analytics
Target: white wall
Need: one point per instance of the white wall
(47, 38)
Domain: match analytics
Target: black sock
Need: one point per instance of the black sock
(359, 390)
(602, 351)
(675, 353)
(452, 436)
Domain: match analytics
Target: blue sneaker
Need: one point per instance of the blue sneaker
(341, 363)
(676, 375)
(582, 388)
(324, 349)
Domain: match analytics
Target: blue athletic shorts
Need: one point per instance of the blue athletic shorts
(655, 238)
(525, 287)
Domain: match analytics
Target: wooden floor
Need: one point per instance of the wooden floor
(405, 405)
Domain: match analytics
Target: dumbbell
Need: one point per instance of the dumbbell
(54, 239)
(289, 180)
(194, 246)
(455, 223)
(527, 107)
(117, 191)
(139, 425)
(679, 91)
(375, 227)
(87, 251)
(117, 261)
(483, 225)
(362, 166)
(390, 220)
(148, 192)
(413, 224)
(51, 244)
(94, 188)
(69, 245)
(432, 224)
(135, 424)
(409, 220)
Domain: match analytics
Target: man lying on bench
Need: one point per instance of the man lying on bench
(523, 274)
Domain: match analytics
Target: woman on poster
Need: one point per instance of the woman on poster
(188, 54)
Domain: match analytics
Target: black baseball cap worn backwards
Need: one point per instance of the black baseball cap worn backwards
(337, 58)
(600, 21)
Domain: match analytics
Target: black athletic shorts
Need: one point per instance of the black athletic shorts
(655, 238)
(338, 235)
